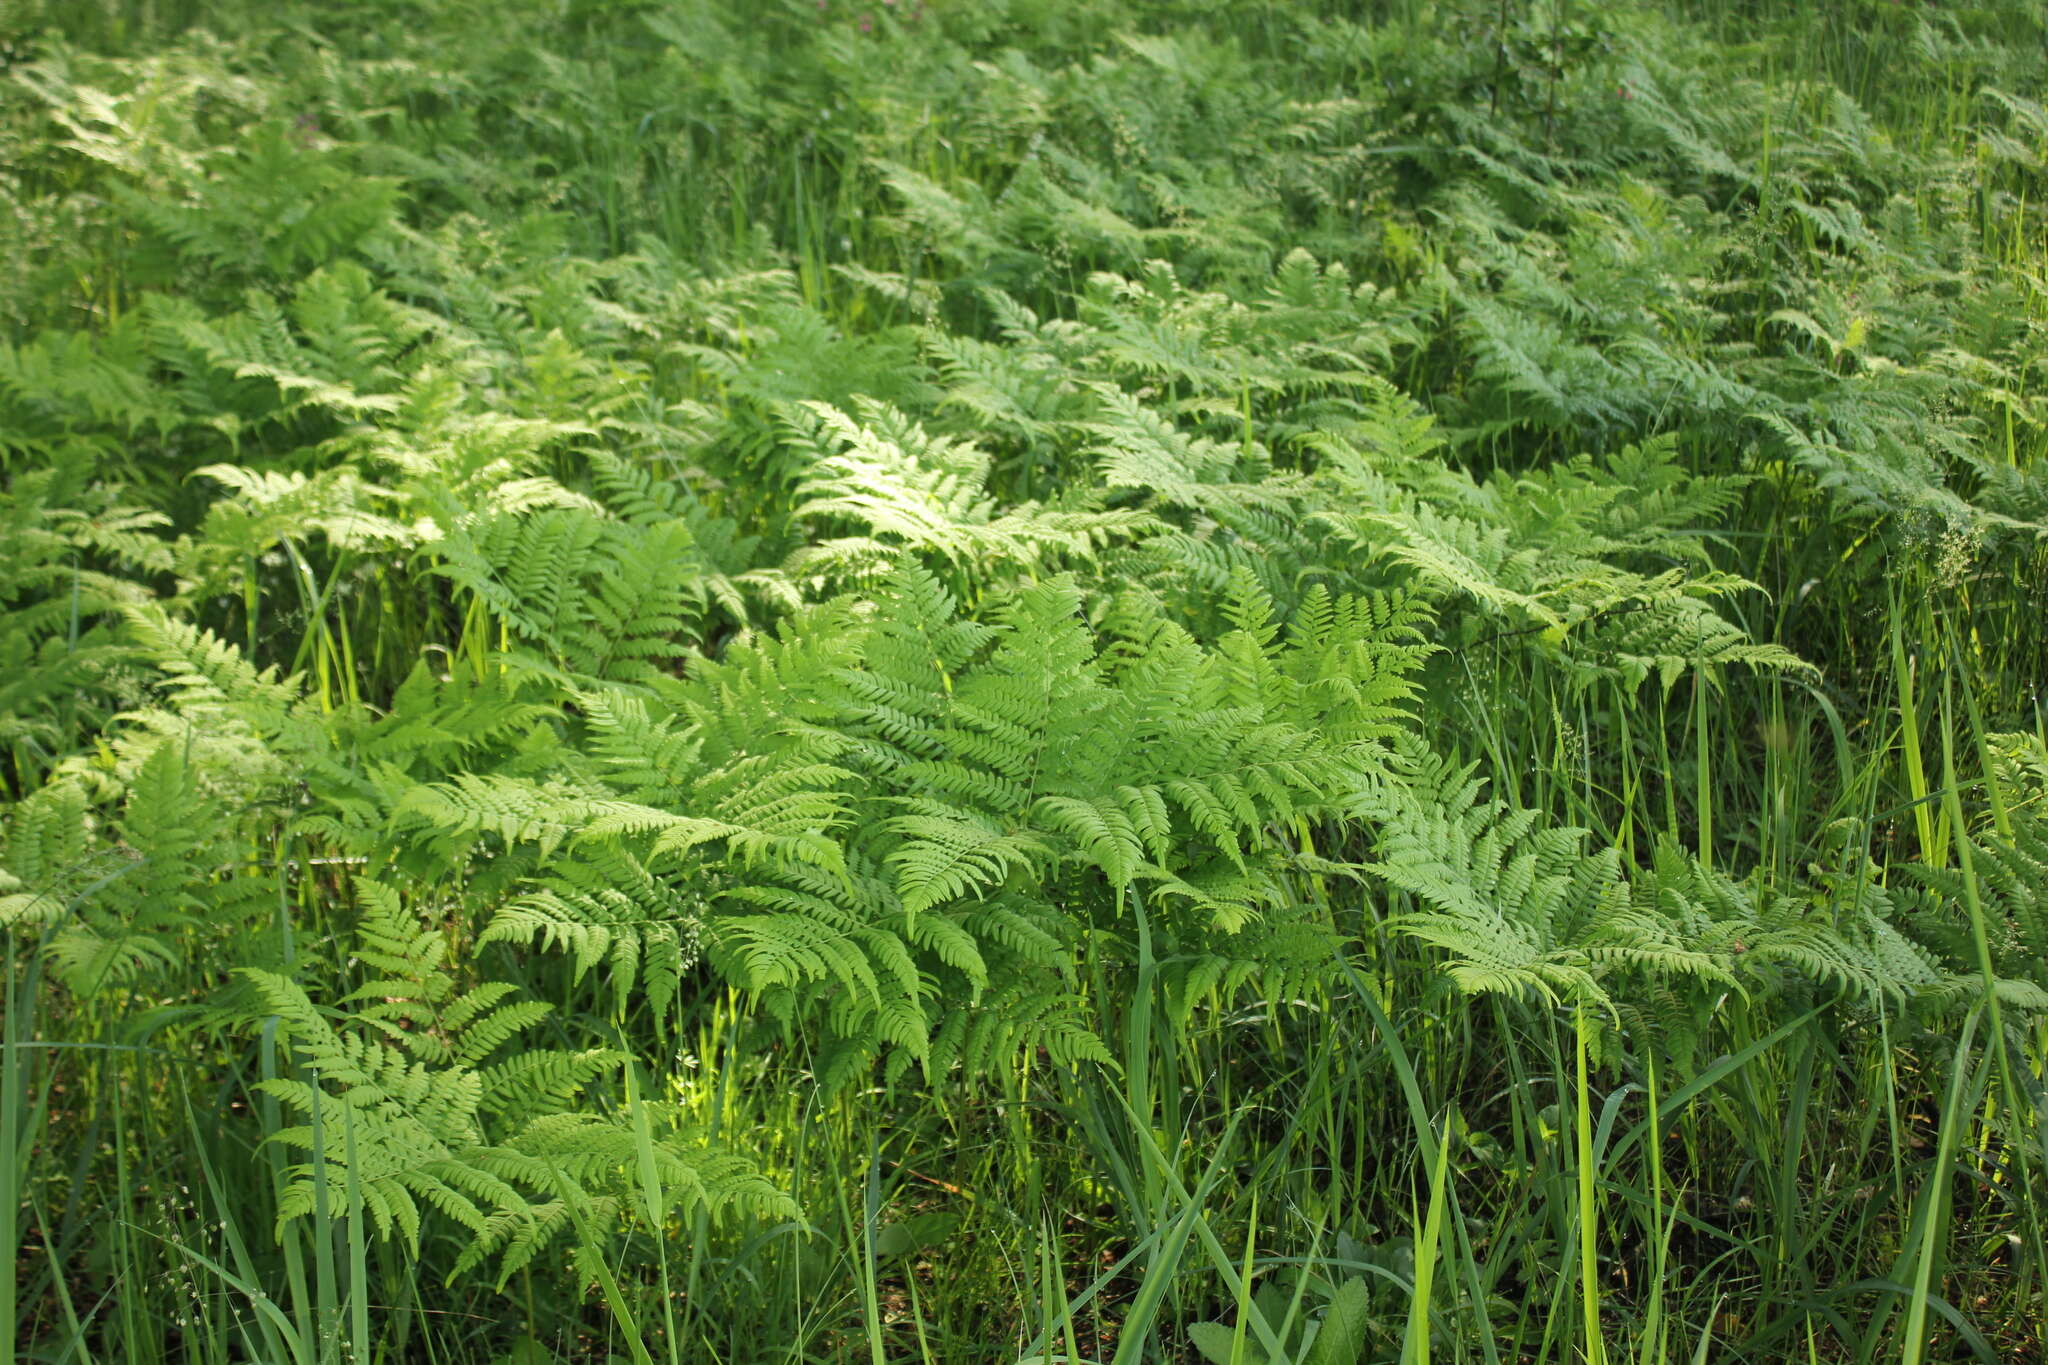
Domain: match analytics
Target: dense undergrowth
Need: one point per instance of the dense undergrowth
(1028, 681)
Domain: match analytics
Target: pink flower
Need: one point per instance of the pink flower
(867, 25)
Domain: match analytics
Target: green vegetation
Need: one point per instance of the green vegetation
(1036, 681)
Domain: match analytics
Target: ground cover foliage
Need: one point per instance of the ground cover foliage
(1030, 681)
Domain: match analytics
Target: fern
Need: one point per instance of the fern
(602, 598)
(2009, 870)
(409, 1106)
(883, 815)
(1550, 553)
(60, 660)
(960, 636)
(167, 889)
(1524, 910)
(605, 907)
(907, 489)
